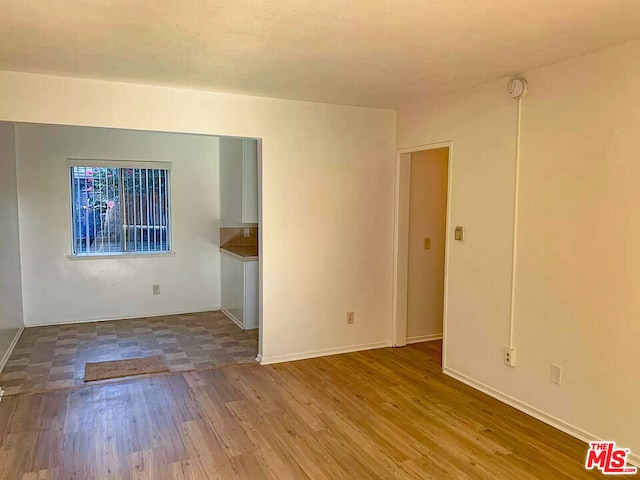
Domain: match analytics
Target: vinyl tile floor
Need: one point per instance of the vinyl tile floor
(54, 357)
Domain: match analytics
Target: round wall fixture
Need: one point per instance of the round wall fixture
(517, 88)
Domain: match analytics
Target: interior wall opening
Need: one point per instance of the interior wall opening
(421, 244)
(136, 244)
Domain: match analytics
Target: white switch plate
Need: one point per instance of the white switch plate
(156, 289)
(246, 232)
(350, 317)
(556, 374)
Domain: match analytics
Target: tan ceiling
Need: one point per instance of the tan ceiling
(360, 52)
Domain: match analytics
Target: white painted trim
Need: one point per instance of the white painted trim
(112, 163)
(113, 256)
(402, 192)
(323, 353)
(424, 338)
(400, 255)
(121, 317)
(426, 146)
(532, 411)
(232, 317)
(12, 345)
(260, 226)
(447, 253)
(523, 407)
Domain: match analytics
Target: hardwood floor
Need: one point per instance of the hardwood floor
(387, 414)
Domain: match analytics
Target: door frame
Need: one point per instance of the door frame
(401, 241)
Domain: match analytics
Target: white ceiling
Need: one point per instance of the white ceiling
(359, 52)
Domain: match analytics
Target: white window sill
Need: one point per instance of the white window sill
(114, 256)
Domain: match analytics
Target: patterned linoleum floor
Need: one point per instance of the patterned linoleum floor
(48, 358)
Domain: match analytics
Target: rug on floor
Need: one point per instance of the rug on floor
(124, 368)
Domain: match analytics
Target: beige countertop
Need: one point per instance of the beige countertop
(245, 254)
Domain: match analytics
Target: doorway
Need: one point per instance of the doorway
(143, 272)
(423, 178)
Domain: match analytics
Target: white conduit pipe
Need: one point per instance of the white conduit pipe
(516, 197)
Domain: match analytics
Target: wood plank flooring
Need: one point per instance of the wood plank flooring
(380, 414)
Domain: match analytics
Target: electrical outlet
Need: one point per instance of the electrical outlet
(350, 317)
(510, 356)
(556, 374)
(156, 289)
(246, 233)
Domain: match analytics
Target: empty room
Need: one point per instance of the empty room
(319, 240)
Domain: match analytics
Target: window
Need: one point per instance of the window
(119, 210)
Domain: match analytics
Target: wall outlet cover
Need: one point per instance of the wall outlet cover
(510, 356)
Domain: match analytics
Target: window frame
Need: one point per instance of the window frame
(119, 164)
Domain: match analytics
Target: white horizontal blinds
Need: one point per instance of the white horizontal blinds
(147, 220)
(119, 210)
(95, 195)
(114, 210)
(165, 202)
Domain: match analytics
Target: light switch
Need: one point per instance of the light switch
(427, 243)
(459, 235)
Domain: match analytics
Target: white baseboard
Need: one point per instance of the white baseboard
(122, 317)
(544, 417)
(323, 353)
(12, 345)
(232, 317)
(424, 338)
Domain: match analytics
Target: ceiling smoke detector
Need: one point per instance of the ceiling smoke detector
(517, 88)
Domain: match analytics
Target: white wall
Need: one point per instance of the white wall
(10, 278)
(427, 218)
(327, 200)
(59, 290)
(578, 259)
